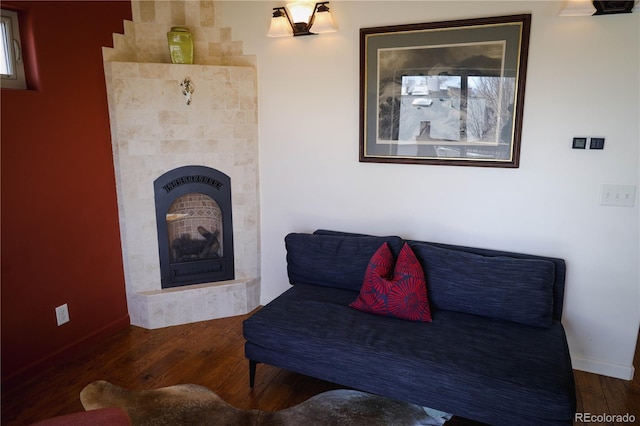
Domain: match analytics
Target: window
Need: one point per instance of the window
(11, 64)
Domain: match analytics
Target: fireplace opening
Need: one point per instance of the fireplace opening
(195, 230)
(194, 222)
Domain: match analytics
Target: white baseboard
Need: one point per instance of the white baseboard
(619, 371)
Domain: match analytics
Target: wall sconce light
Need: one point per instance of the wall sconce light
(297, 19)
(596, 7)
(578, 8)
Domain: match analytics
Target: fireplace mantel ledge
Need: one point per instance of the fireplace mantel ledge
(196, 286)
(199, 302)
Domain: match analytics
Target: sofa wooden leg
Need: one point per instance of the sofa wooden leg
(252, 373)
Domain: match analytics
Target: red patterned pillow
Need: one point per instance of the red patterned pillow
(399, 292)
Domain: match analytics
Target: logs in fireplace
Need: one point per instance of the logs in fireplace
(195, 227)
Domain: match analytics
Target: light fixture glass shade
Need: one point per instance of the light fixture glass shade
(280, 27)
(300, 11)
(578, 8)
(323, 23)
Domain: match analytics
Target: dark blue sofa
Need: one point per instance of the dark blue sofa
(495, 351)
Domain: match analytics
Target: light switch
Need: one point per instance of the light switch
(618, 195)
(579, 143)
(596, 143)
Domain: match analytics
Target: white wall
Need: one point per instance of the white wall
(583, 79)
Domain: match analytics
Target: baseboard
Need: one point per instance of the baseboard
(64, 353)
(618, 371)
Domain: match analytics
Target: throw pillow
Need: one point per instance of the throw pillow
(399, 292)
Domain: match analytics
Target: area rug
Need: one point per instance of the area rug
(186, 405)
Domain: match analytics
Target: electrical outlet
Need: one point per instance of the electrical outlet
(618, 195)
(62, 314)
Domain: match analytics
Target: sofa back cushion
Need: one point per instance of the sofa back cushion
(509, 288)
(333, 260)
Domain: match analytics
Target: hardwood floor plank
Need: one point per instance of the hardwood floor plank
(622, 397)
(211, 354)
(589, 392)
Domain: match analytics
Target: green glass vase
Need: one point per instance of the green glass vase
(180, 45)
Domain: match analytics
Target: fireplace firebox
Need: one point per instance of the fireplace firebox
(195, 226)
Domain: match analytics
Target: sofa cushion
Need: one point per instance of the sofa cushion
(513, 289)
(398, 290)
(332, 260)
(495, 371)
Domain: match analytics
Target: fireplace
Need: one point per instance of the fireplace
(210, 266)
(195, 226)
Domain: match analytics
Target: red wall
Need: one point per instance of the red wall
(60, 234)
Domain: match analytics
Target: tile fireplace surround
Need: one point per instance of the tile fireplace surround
(154, 130)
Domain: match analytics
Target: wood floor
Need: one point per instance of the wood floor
(211, 354)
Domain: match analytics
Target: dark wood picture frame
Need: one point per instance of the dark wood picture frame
(444, 93)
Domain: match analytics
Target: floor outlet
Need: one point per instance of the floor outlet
(62, 314)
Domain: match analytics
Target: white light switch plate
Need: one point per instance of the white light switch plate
(618, 195)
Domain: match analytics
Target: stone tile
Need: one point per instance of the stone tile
(207, 13)
(179, 12)
(163, 13)
(146, 11)
(154, 71)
